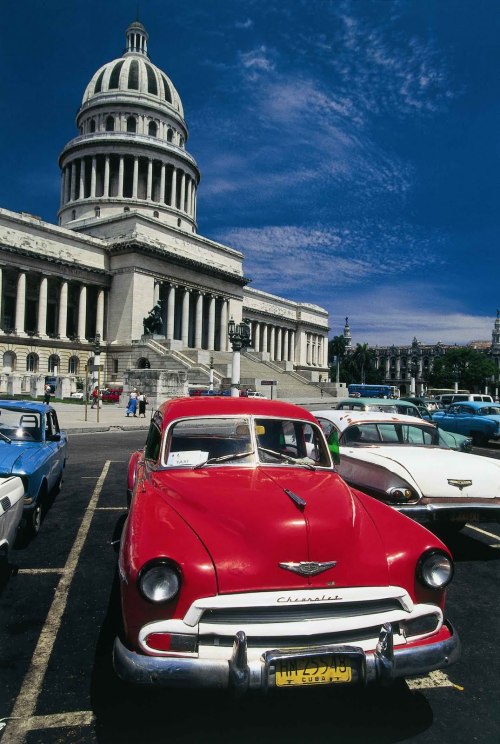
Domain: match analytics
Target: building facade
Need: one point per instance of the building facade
(126, 241)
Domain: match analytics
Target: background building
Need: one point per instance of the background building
(126, 242)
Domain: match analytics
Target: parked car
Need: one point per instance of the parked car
(426, 406)
(400, 461)
(78, 395)
(11, 511)
(111, 396)
(255, 394)
(405, 408)
(480, 421)
(33, 447)
(447, 399)
(247, 562)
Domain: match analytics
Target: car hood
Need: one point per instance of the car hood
(249, 523)
(14, 458)
(432, 470)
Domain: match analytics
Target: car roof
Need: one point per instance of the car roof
(475, 404)
(226, 405)
(343, 419)
(26, 405)
(376, 401)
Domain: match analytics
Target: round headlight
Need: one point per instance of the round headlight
(159, 582)
(435, 569)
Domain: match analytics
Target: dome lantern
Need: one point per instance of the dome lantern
(137, 39)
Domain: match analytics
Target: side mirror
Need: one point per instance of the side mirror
(333, 446)
(53, 437)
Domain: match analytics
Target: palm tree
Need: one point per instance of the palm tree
(336, 352)
(362, 357)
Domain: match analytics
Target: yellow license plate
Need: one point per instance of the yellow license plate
(315, 670)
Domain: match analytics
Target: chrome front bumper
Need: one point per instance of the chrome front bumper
(468, 512)
(385, 664)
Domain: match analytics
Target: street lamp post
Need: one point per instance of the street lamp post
(239, 338)
(211, 378)
(96, 375)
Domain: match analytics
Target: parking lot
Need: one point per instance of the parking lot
(59, 615)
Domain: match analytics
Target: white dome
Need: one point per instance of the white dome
(134, 74)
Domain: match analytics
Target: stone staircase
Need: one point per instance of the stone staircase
(196, 363)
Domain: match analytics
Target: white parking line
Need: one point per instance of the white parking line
(483, 532)
(22, 718)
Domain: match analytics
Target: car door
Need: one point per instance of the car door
(55, 448)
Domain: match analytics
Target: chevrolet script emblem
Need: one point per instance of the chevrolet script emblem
(459, 483)
(308, 568)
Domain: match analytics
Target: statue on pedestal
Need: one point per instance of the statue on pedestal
(153, 322)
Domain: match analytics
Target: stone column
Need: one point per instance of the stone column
(73, 181)
(223, 325)
(63, 310)
(183, 196)
(292, 346)
(42, 308)
(279, 341)
(162, 184)
(93, 178)
(99, 322)
(211, 323)
(120, 177)
(272, 350)
(188, 198)
(198, 326)
(149, 187)
(106, 176)
(256, 336)
(82, 313)
(81, 194)
(20, 303)
(265, 338)
(173, 192)
(135, 178)
(185, 317)
(170, 312)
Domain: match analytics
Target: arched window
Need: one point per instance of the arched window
(181, 141)
(73, 214)
(32, 362)
(133, 75)
(97, 211)
(92, 125)
(170, 135)
(9, 362)
(152, 86)
(73, 365)
(114, 78)
(131, 124)
(126, 209)
(110, 124)
(53, 364)
(152, 129)
(156, 213)
(143, 363)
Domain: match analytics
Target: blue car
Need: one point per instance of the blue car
(480, 421)
(33, 447)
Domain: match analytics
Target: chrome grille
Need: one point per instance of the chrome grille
(295, 642)
(293, 613)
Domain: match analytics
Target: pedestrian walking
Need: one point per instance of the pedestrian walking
(46, 394)
(132, 404)
(143, 401)
(95, 397)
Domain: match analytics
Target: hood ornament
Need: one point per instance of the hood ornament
(459, 482)
(308, 568)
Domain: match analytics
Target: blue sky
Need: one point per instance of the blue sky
(350, 149)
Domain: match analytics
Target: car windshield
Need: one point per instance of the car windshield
(489, 411)
(240, 440)
(19, 425)
(361, 434)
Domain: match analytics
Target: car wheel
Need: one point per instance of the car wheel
(479, 439)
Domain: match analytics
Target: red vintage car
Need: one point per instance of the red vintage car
(247, 562)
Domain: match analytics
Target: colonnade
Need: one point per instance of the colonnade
(277, 341)
(59, 308)
(129, 177)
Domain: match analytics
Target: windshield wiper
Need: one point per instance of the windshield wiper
(5, 437)
(287, 458)
(223, 458)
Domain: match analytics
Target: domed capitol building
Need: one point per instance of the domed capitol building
(126, 250)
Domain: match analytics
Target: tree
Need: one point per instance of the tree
(469, 368)
(360, 366)
(336, 353)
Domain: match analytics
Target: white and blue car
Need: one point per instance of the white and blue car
(33, 447)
